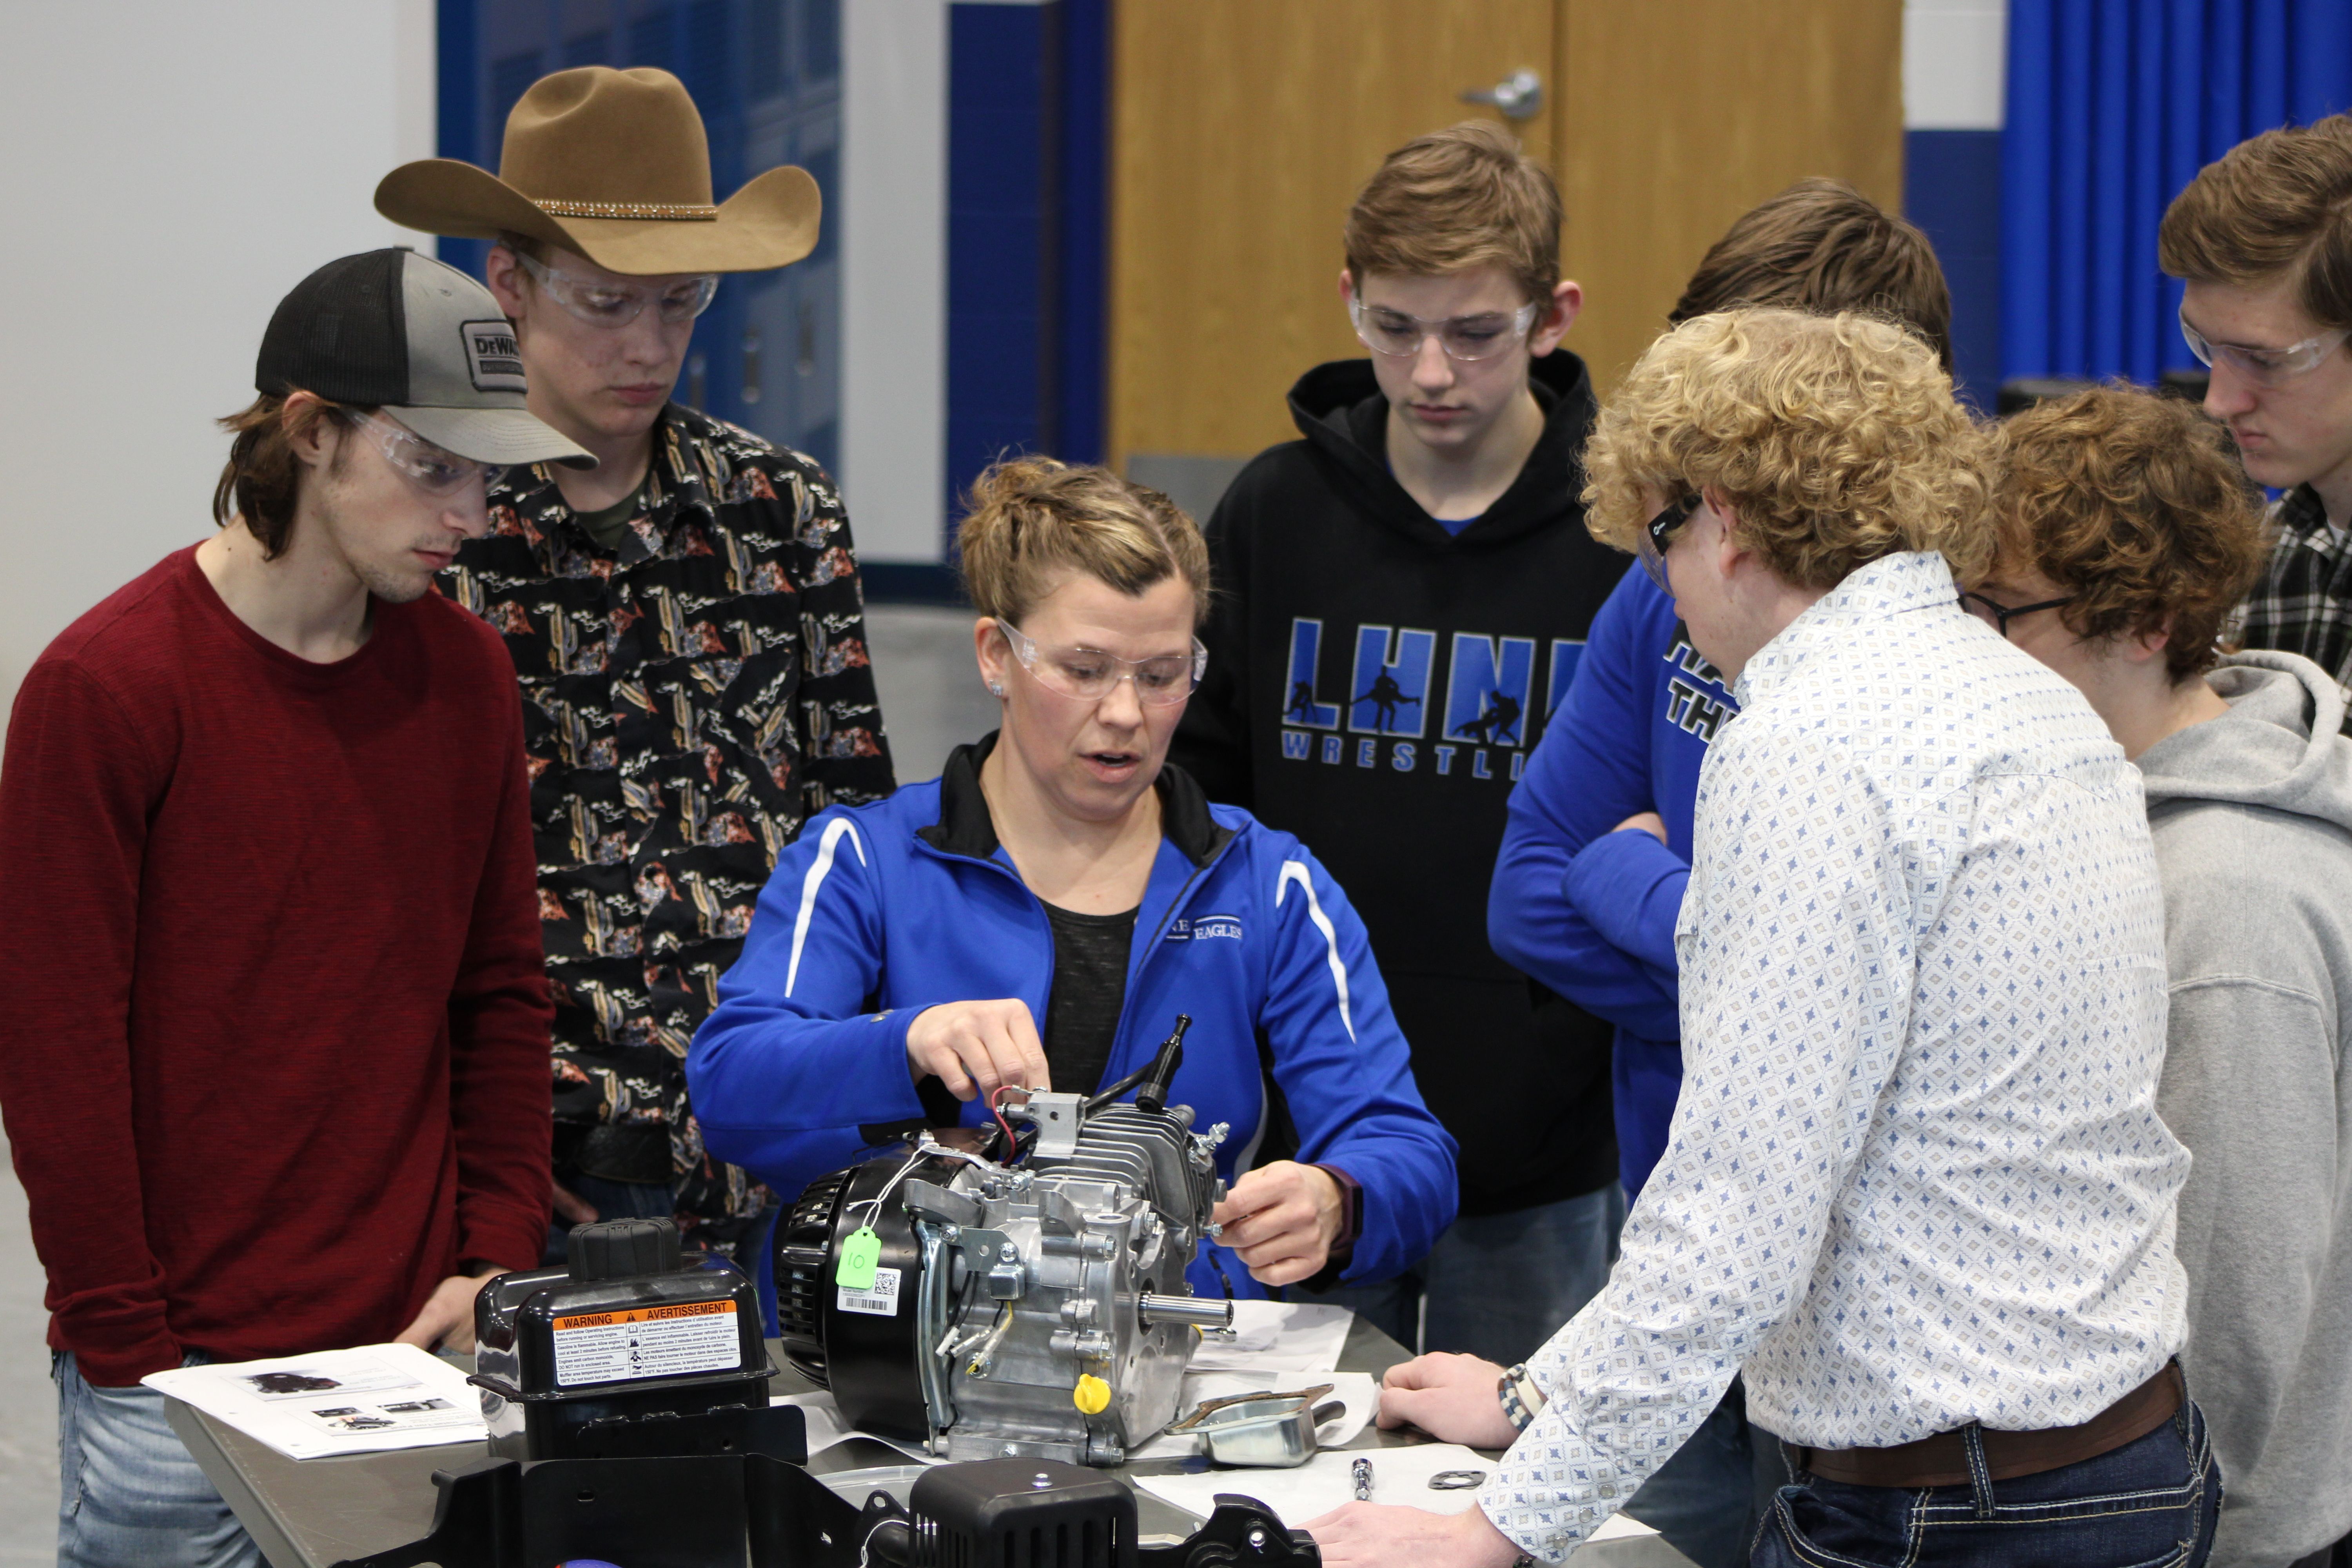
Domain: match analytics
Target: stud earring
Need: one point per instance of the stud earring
(996, 688)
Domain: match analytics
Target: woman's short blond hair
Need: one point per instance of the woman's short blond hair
(1033, 519)
(1837, 439)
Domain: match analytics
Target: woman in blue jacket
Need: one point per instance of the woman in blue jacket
(1040, 914)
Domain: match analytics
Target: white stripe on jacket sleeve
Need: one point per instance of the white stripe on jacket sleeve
(1296, 871)
(834, 833)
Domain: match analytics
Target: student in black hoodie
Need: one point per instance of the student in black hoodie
(1402, 595)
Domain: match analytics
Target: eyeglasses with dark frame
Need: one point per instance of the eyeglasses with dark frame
(1998, 616)
(1651, 545)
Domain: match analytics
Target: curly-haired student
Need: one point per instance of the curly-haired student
(1597, 851)
(2126, 536)
(1917, 1193)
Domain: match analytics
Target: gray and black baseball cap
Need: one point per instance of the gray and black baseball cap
(419, 339)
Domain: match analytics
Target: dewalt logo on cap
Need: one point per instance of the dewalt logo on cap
(492, 356)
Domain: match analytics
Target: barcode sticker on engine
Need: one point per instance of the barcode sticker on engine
(646, 1342)
(880, 1299)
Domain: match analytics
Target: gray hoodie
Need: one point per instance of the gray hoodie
(2251, 815)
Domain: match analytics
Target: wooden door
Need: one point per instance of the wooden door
(1241, 129)
(1678, 115)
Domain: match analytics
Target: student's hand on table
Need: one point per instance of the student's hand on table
(976, 1047)
(1281, 1219)
(447, 1319)
(570, 1207)
(1454, 1398)
(1648, 822)
(1372, 1535)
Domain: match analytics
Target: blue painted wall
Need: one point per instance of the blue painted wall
(766, 75)
(1952, 189)
(1027, 164)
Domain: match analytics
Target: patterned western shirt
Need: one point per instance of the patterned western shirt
(1916, 1177)
(689, 700)
(2303, 600)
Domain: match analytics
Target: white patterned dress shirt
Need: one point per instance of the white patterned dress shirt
(1916, 1177)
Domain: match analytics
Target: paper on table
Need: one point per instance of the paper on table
(1400, 1475)
(1277, 1336)
(1356, 1390)
(358, 1401)
(825, 1427)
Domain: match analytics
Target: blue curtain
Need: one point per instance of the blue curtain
(2114, 105)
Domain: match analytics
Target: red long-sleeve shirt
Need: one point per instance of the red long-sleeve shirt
(275, 1060)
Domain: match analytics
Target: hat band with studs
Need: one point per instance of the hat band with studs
(676, 211)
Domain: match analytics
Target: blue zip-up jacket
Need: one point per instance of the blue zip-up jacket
(1590, 913)
(878, 911)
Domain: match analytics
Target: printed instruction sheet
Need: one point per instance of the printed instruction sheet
(336, 1402)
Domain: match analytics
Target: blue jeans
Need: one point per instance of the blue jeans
(2150, 1502)
(1708, 1497)
(1498, 1285)
(128, 1493)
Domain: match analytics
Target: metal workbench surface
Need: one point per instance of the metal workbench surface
(310, 1513)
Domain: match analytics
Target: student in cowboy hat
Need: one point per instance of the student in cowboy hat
(687, 623)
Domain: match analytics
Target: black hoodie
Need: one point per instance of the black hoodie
(1334, 591)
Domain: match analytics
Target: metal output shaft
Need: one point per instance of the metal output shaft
(1198, 1311)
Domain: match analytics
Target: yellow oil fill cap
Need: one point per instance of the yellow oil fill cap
(1092, 1394)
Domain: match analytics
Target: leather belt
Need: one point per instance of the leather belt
(1942, 1460)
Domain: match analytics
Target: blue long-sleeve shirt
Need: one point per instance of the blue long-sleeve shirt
(1588, 912)
(879, 911)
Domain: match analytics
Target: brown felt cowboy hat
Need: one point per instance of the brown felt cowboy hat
(613, 165)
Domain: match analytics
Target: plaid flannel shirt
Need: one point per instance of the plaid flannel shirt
(689, 700)
(2303, 600)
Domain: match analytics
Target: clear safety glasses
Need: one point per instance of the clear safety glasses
(436, 472)
(604, 304)
(1466, 338)
(1650, 543)
(2264, 367)
(1087, 676)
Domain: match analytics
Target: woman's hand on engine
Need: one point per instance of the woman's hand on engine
(977, 1047)
(1281, 1219)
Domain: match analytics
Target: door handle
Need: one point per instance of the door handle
(1519, 95)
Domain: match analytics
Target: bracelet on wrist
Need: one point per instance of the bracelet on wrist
(1519, 1396)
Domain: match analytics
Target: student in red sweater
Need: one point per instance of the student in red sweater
(274, 1071)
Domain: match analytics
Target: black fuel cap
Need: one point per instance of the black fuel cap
(622, 1248)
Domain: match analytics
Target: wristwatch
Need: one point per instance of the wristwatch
(1521, 1399)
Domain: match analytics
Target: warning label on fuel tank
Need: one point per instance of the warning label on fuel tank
(646, 1342)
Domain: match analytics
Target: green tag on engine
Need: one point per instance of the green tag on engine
(861, 1251)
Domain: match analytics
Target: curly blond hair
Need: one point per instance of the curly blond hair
(1033, 519)
(1835, 439)
(2135, 506)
